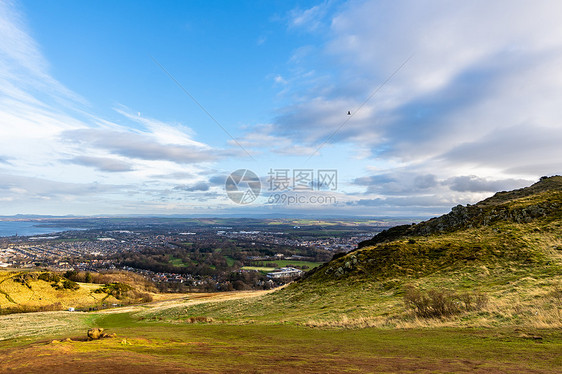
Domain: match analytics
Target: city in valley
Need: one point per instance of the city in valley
(180, 254)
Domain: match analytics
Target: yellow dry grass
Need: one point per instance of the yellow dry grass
(41, 324)
(41, 294)
(63, 323)
(171, 301)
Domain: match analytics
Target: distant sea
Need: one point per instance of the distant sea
(28, 228)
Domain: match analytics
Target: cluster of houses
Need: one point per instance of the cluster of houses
(286, 273)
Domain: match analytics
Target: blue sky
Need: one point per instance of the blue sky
(450, 102)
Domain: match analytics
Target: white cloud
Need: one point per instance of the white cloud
(55, 149)
(477, 107)
(480, 95)
(102, 163)
(163, 132)
(309, 19)
(262, 138)
(279, 79)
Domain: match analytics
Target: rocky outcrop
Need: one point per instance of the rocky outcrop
(504, 206)
(97, 333)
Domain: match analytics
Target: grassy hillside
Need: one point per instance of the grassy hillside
(521, 229)
(495, 263)
(27, 291)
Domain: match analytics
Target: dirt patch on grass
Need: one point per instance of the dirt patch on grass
(61, 358)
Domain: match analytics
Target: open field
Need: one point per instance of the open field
(285, 263)
(258, 268)
(176, 346)
(268, 265)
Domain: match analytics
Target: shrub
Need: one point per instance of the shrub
(438, 303)
(145, 297)
(88, 278)
(117, 290)
(49, 277)
(137, 296)
(473, 301)
(66, 284)
(73, 275)
(199, 319)
(25, 278)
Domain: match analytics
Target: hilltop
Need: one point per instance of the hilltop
(521, 226)
(541, 200)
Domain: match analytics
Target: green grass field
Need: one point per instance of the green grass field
(258, 268)
(153, 345)
(285, 263)
(229, 260)
(177, 262)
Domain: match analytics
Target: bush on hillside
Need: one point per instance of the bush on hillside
(124, 292)
(25, 278)
(49, 277)
(117, 290)
(438, 303)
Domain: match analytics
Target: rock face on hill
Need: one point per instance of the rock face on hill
(519, 206)
(516, 228)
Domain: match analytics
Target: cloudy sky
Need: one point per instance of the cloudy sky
(140, 107)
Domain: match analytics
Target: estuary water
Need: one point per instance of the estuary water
(28, 228)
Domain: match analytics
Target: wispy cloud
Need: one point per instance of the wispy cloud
(137, 146)
(102, 163)
(199, 186)
(309, 19)
(22, 64)
(262, 137)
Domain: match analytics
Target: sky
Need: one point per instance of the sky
(357, 108)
